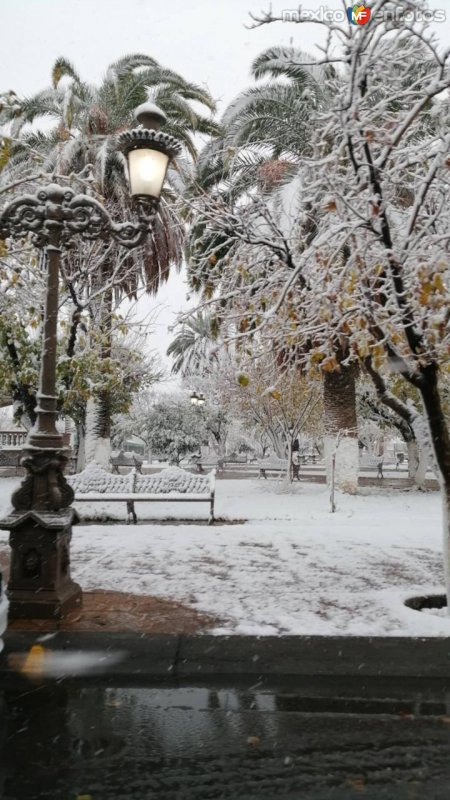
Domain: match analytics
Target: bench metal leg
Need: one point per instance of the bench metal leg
(131, 512)
(211, 512)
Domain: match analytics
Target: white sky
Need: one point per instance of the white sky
(205, 40)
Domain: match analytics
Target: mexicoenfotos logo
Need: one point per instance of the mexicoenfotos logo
(358, 15)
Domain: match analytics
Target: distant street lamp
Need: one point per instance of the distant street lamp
(197, 399)
(41, 523)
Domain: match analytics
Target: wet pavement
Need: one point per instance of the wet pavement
(68, 740)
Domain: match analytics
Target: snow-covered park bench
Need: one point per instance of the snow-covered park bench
(377, 462)
(123, 460)
(272, 465)
(172, 485)
(221, 464)
(372, 462)
(232, 460)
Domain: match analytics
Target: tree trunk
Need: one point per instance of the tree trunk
(264, 448)
(440, 437)
(446, 543)
(81, 440)
(221, 448)
(319, 448)
(413, 458)
(332, 482)
(98, 408)
(27, 406)
(98, 442)
(417, 463)
(277, 442)
(289, 473)
(26, 421)
(339, 400)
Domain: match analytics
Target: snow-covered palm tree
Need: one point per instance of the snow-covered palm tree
(267, 128)
(81, 123)
(193, 344)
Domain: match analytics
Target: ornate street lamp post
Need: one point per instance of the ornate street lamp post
(40, 524)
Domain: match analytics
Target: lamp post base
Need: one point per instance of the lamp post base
(40, 586)
(45, 605)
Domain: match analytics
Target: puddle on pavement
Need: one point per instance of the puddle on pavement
(74, 741)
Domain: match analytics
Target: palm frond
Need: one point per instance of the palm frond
(290, 62)
(129, 63)
(62, 68)
(45, 103)
(192, 345)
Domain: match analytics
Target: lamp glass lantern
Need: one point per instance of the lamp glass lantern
(148, 152)
(147, 169)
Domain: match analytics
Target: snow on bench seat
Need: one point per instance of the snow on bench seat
(172, 484)
(271, 465)
(371, 462)
(175, 496)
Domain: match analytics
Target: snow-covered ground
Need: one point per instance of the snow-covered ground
(292, 568)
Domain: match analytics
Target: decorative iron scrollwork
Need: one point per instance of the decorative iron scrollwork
(155, 140)
(56, 209)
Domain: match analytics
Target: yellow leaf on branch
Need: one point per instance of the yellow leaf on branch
(438, 283)
(330, 364)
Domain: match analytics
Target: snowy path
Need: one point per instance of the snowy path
(293, 568)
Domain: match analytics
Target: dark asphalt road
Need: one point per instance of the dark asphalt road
(73, 741)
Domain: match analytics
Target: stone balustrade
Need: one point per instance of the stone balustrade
(12, 439)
